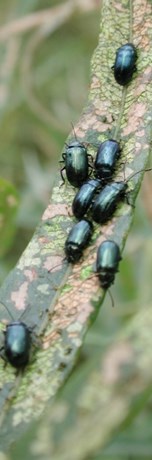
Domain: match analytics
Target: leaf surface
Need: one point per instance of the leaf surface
(59, 300)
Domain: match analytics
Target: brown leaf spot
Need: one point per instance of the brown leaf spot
(50, 338)
(118, 7)
(95, 83)
(135, 116)
(19, 297)
(31, 274)
(83, 316)
(142, 81)
(43, 240)
(75, 306)
(54, 210)
(53, 263)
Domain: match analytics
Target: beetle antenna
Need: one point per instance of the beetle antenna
(10, 314)
(74, 131)
(140, 170)
(5, 306)
(24, 311)
(58, 265)
(111, 298)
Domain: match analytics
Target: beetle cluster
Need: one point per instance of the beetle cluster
(98, 196)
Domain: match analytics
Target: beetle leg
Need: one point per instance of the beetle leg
(90, 156)
(62, 176)
(64, 155)
(2, 355)
(111, 297)
(128, 201)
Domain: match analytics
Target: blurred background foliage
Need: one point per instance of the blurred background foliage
(44, 80)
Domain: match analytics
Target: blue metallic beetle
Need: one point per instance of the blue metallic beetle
(76, 163)
(77, 240)
(107, 155)
(108, 258)
(125, 63)
(17, 343)
(84, 196)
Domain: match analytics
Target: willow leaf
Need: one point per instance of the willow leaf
(60, 300)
